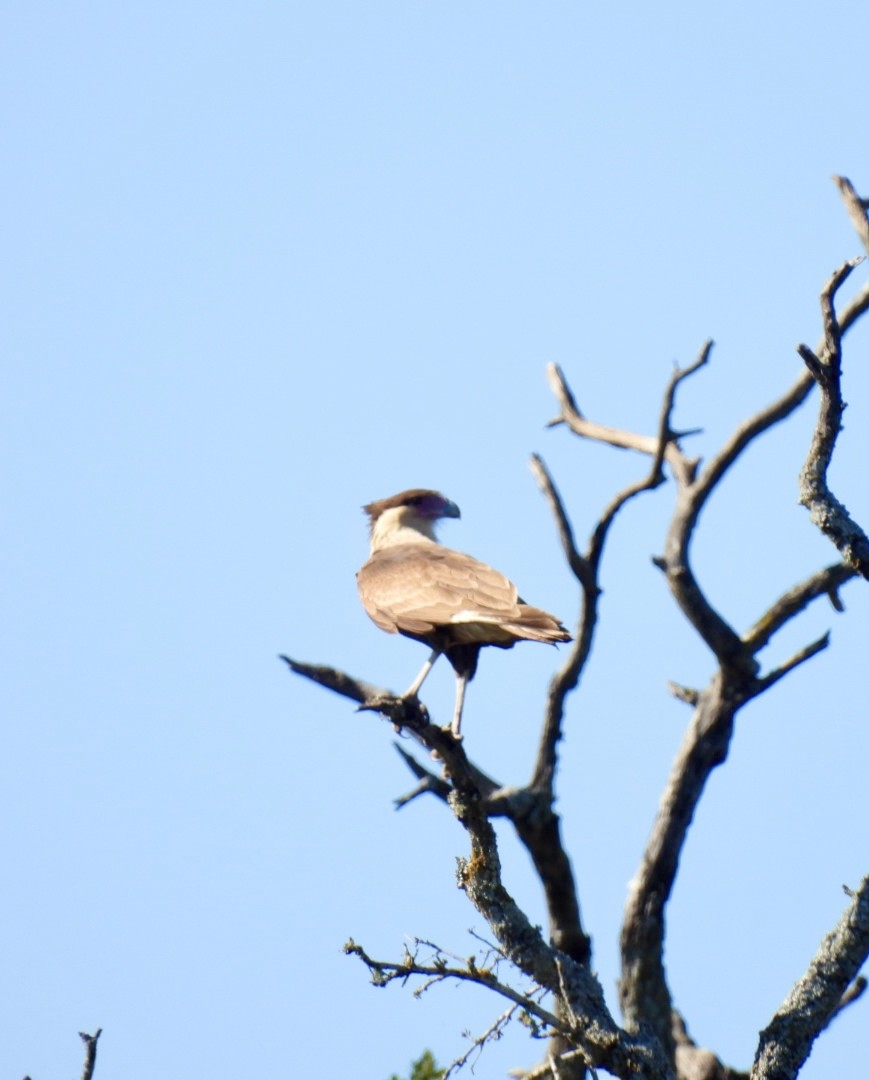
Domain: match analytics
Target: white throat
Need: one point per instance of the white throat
(400, 525)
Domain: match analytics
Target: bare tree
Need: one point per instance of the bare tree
(650, 1038)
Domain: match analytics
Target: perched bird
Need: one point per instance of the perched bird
(450, 601)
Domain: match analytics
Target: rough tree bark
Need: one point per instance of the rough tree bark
(649, 1039)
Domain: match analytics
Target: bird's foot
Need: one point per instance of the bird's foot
(404, 711)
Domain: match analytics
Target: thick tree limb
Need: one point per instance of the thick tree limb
(643, 987)
(817, 997)
(643, 990)
(605, 1045)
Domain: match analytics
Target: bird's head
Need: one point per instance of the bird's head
(407, 517)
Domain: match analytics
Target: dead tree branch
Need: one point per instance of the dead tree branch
(429, 783)
(605, 1045)
(586, 567)
(856, 208)
(594, 1030)
(818, 997)
(406, 714)
(383, 972)
(644, 995)
(491, 1034)
(90, 1058)
(653, 1040)
(825, 367)
(540, 830)
(825, 582)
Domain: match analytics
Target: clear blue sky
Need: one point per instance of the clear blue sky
(265, 262)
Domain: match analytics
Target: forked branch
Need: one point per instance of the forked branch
(825, 367)
(90, 1057)
(644, 994)
(586, 567)
(590, 1025)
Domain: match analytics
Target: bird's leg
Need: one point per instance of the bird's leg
(414, 688)
(461, 683)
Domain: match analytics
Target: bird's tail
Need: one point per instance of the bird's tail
(535, 624)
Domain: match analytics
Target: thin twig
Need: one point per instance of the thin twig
(567, 678)
(684, 693)
(384, 972)
(428, 781)
(856, 208)
(824, 582)
(799, 657)
(549, 1069)
(493, 1032)
(583, 573)
(588, 429)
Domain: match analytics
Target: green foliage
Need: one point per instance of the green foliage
(425, 1068)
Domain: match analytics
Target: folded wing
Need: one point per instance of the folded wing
(443, 596)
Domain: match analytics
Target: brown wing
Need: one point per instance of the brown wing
(428, 591)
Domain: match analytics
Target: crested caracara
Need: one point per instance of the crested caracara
(450, 601)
